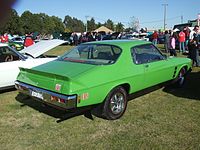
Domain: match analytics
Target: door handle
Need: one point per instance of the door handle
(146, 66)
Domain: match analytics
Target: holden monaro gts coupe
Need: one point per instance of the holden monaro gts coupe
(101, 73)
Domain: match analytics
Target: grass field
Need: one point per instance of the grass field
(166, 118)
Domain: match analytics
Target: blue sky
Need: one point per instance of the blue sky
(149, 12)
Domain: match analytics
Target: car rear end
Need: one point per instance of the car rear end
(46, 87)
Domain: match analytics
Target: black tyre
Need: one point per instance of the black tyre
(115, 104)
(180, 80)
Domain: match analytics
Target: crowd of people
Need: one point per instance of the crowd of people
(27, 41)
(185, 40)
(4, 38)
(86, 37)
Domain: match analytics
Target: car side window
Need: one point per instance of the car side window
(6, 55)
(145, 54)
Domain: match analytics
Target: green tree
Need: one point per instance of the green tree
(68, 22)
(27, 21)
(41, 23)
(48, 24)
(13, 25)
(119, 27)
(99, 25)
(37, 24)
(91, 25)
(73, 24)
(109, 24)
(58, 24)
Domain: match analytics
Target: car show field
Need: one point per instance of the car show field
(159, 118)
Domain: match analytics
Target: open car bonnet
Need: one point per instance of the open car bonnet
(41, 47)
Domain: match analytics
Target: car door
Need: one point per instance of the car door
(138, 74)
(9, 63)
(157, 68)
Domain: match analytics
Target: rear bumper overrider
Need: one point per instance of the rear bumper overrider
(54, 99)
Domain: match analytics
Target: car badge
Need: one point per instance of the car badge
(57, 87)
(85, 96)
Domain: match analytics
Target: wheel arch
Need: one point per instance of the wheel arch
(126, 87)
(179, 69)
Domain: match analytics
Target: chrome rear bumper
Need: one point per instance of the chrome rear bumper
(53, 98)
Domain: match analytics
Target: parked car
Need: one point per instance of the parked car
(16, 45)
(101, 73)
(17, 39)
(66, 37)
(141, 36)
(11, 60)
(161, 38)
(112, 36)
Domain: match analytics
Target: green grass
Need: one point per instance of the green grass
(166, 118)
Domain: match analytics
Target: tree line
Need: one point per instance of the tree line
(42, 23)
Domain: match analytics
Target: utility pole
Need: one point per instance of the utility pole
(86, 17)
(165, 11)
(182, 19)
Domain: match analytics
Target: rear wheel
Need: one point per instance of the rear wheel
(181, 78)
(115, 104)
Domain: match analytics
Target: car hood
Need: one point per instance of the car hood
(41, 47)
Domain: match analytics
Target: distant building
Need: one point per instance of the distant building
(103, 29)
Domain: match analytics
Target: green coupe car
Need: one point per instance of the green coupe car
(102, 74)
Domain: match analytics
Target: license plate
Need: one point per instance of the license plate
(37, 94)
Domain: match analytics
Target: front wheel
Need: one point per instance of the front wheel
(115, 104)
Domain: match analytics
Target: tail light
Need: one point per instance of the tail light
(57, 99)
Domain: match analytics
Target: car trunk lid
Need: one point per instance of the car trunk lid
(41, 47)
(54, 76)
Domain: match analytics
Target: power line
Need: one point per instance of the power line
(141, 23)
(168, 19)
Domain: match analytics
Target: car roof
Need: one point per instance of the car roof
(121, 43)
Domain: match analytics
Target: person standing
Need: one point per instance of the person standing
(181, 39)
(193, 46)
(186, 30)
(172, 49)
(167, 41)
(28, 41)
(75, 39)
(155, 38)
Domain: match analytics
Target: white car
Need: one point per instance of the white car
(11, 60)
